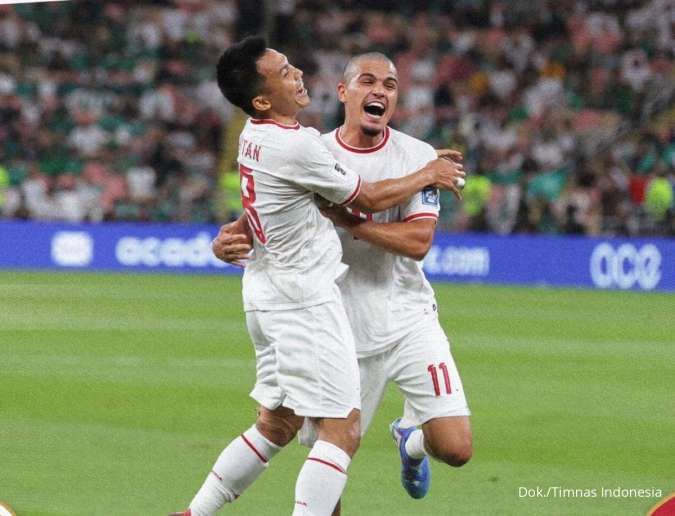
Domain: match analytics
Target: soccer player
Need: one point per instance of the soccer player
(306, 364)
(390, 304)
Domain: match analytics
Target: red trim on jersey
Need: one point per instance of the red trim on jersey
(354, 194)
(329, 464)
(250, 445)
(359, 150)
(258, 121)
(421, 215)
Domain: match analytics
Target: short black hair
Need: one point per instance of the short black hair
(238, 77)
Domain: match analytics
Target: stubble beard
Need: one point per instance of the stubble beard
(370, 131)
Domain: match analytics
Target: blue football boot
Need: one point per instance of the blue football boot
(415, 473)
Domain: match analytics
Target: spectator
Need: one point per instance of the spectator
(562, 111)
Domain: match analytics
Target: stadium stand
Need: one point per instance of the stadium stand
(564, 111)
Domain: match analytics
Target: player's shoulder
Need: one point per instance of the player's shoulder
(277, 130)
(284, 142)
(329, 138)
(410, 145)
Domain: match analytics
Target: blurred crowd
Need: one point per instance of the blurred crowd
(564, 110)
(109, 110)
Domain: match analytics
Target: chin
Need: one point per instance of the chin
(304, 101)
(370, 129)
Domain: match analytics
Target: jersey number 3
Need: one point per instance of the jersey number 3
(247, 200)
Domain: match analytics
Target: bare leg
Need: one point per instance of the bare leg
(324, 474)
(449, 439)
(344, 433)
(279, 425)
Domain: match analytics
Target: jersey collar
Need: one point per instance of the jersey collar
(358, 149)
(259, 121)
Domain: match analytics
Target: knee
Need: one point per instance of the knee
(343, 433)
(278, 427)
(353, 438)
(456, 452)
(349, 438)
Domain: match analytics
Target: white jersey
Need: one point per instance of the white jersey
(297, 253)
(385, 295)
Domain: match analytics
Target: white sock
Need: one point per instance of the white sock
(321, 480)
(414, 446)
(237, 467)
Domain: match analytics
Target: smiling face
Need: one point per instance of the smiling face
(284, 92)
(369, 92)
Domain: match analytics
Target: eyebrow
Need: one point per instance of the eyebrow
(368, 75)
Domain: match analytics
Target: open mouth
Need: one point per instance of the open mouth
(375, 108)
(301, 90)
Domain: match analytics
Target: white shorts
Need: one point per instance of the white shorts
(305, 360)
(417, 364)
(422, 367)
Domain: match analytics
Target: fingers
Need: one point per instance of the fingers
(457, 169)
(231, 248)
(234, 238)
(232, 252)
(226, 229)
(449, 154)
(449, 184)
(444, 167)
(235, 249)
(452, 187)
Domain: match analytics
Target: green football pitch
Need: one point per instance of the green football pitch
(117, 392)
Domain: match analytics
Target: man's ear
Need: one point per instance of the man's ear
(261, 103)
(342, 92)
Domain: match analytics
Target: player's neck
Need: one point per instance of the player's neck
(355, 137)
(280, 118)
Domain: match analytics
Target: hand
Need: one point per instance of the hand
(340, 217)
(444, 174)
(230, 246)
(449, 154)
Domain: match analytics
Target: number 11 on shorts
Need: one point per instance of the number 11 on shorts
(433, 371)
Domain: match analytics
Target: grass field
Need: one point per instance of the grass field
(117, 392)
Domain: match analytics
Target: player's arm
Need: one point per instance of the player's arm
(440, 173)
(312, 166)
(412, 239)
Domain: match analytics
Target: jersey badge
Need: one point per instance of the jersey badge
(430, 196)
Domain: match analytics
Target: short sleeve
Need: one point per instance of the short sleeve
(422, 205)
(318, 171)
(425, 204)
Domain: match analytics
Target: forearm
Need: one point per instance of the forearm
(403, 238)
(388, 193)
